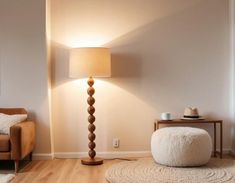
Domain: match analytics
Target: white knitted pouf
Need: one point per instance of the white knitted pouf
(181, 146)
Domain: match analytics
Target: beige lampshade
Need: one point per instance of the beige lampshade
(86, 62)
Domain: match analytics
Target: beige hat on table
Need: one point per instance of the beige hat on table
(191, 113)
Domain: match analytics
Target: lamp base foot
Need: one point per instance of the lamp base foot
(94, 161)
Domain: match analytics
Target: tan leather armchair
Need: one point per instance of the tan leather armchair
(21, 140)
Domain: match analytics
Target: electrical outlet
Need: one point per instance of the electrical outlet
(116, 142)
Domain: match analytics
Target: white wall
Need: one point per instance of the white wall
(166, 55)
(23, 62)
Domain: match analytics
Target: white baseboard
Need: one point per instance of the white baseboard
(43, 156)
(105, 155)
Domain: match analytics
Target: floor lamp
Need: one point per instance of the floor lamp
(90, 62)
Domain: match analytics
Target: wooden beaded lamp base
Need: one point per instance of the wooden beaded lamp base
(92, 160)
(89, 161)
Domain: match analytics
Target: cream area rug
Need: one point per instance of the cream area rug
(5, 178)
(147, 171)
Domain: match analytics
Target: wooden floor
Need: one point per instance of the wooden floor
(62, 171)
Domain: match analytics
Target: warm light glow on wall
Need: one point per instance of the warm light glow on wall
(85, 40)
(86, 24)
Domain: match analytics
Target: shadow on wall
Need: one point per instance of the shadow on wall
(59, 64)
(121, 63)
(167, 61)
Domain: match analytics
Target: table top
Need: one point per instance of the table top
(188, 121)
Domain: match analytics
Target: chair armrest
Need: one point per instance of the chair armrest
(22, 138)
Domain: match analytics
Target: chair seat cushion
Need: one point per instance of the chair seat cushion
(4, 143)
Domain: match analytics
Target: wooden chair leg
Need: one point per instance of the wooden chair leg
(31, 156)
(16, 165)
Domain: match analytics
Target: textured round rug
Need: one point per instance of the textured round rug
(147, 171)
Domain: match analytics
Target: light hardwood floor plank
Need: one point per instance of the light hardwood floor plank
(63, 171)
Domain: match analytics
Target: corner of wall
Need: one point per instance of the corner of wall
(232, 62)
(48, 37)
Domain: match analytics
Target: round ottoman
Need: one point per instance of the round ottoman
(181, 146)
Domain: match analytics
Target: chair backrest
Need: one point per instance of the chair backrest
(10, 111)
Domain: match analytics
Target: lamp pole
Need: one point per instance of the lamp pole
(91, 127)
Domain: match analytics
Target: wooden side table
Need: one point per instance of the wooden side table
(157, 123)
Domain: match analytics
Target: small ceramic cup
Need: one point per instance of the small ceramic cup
(166, 116)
